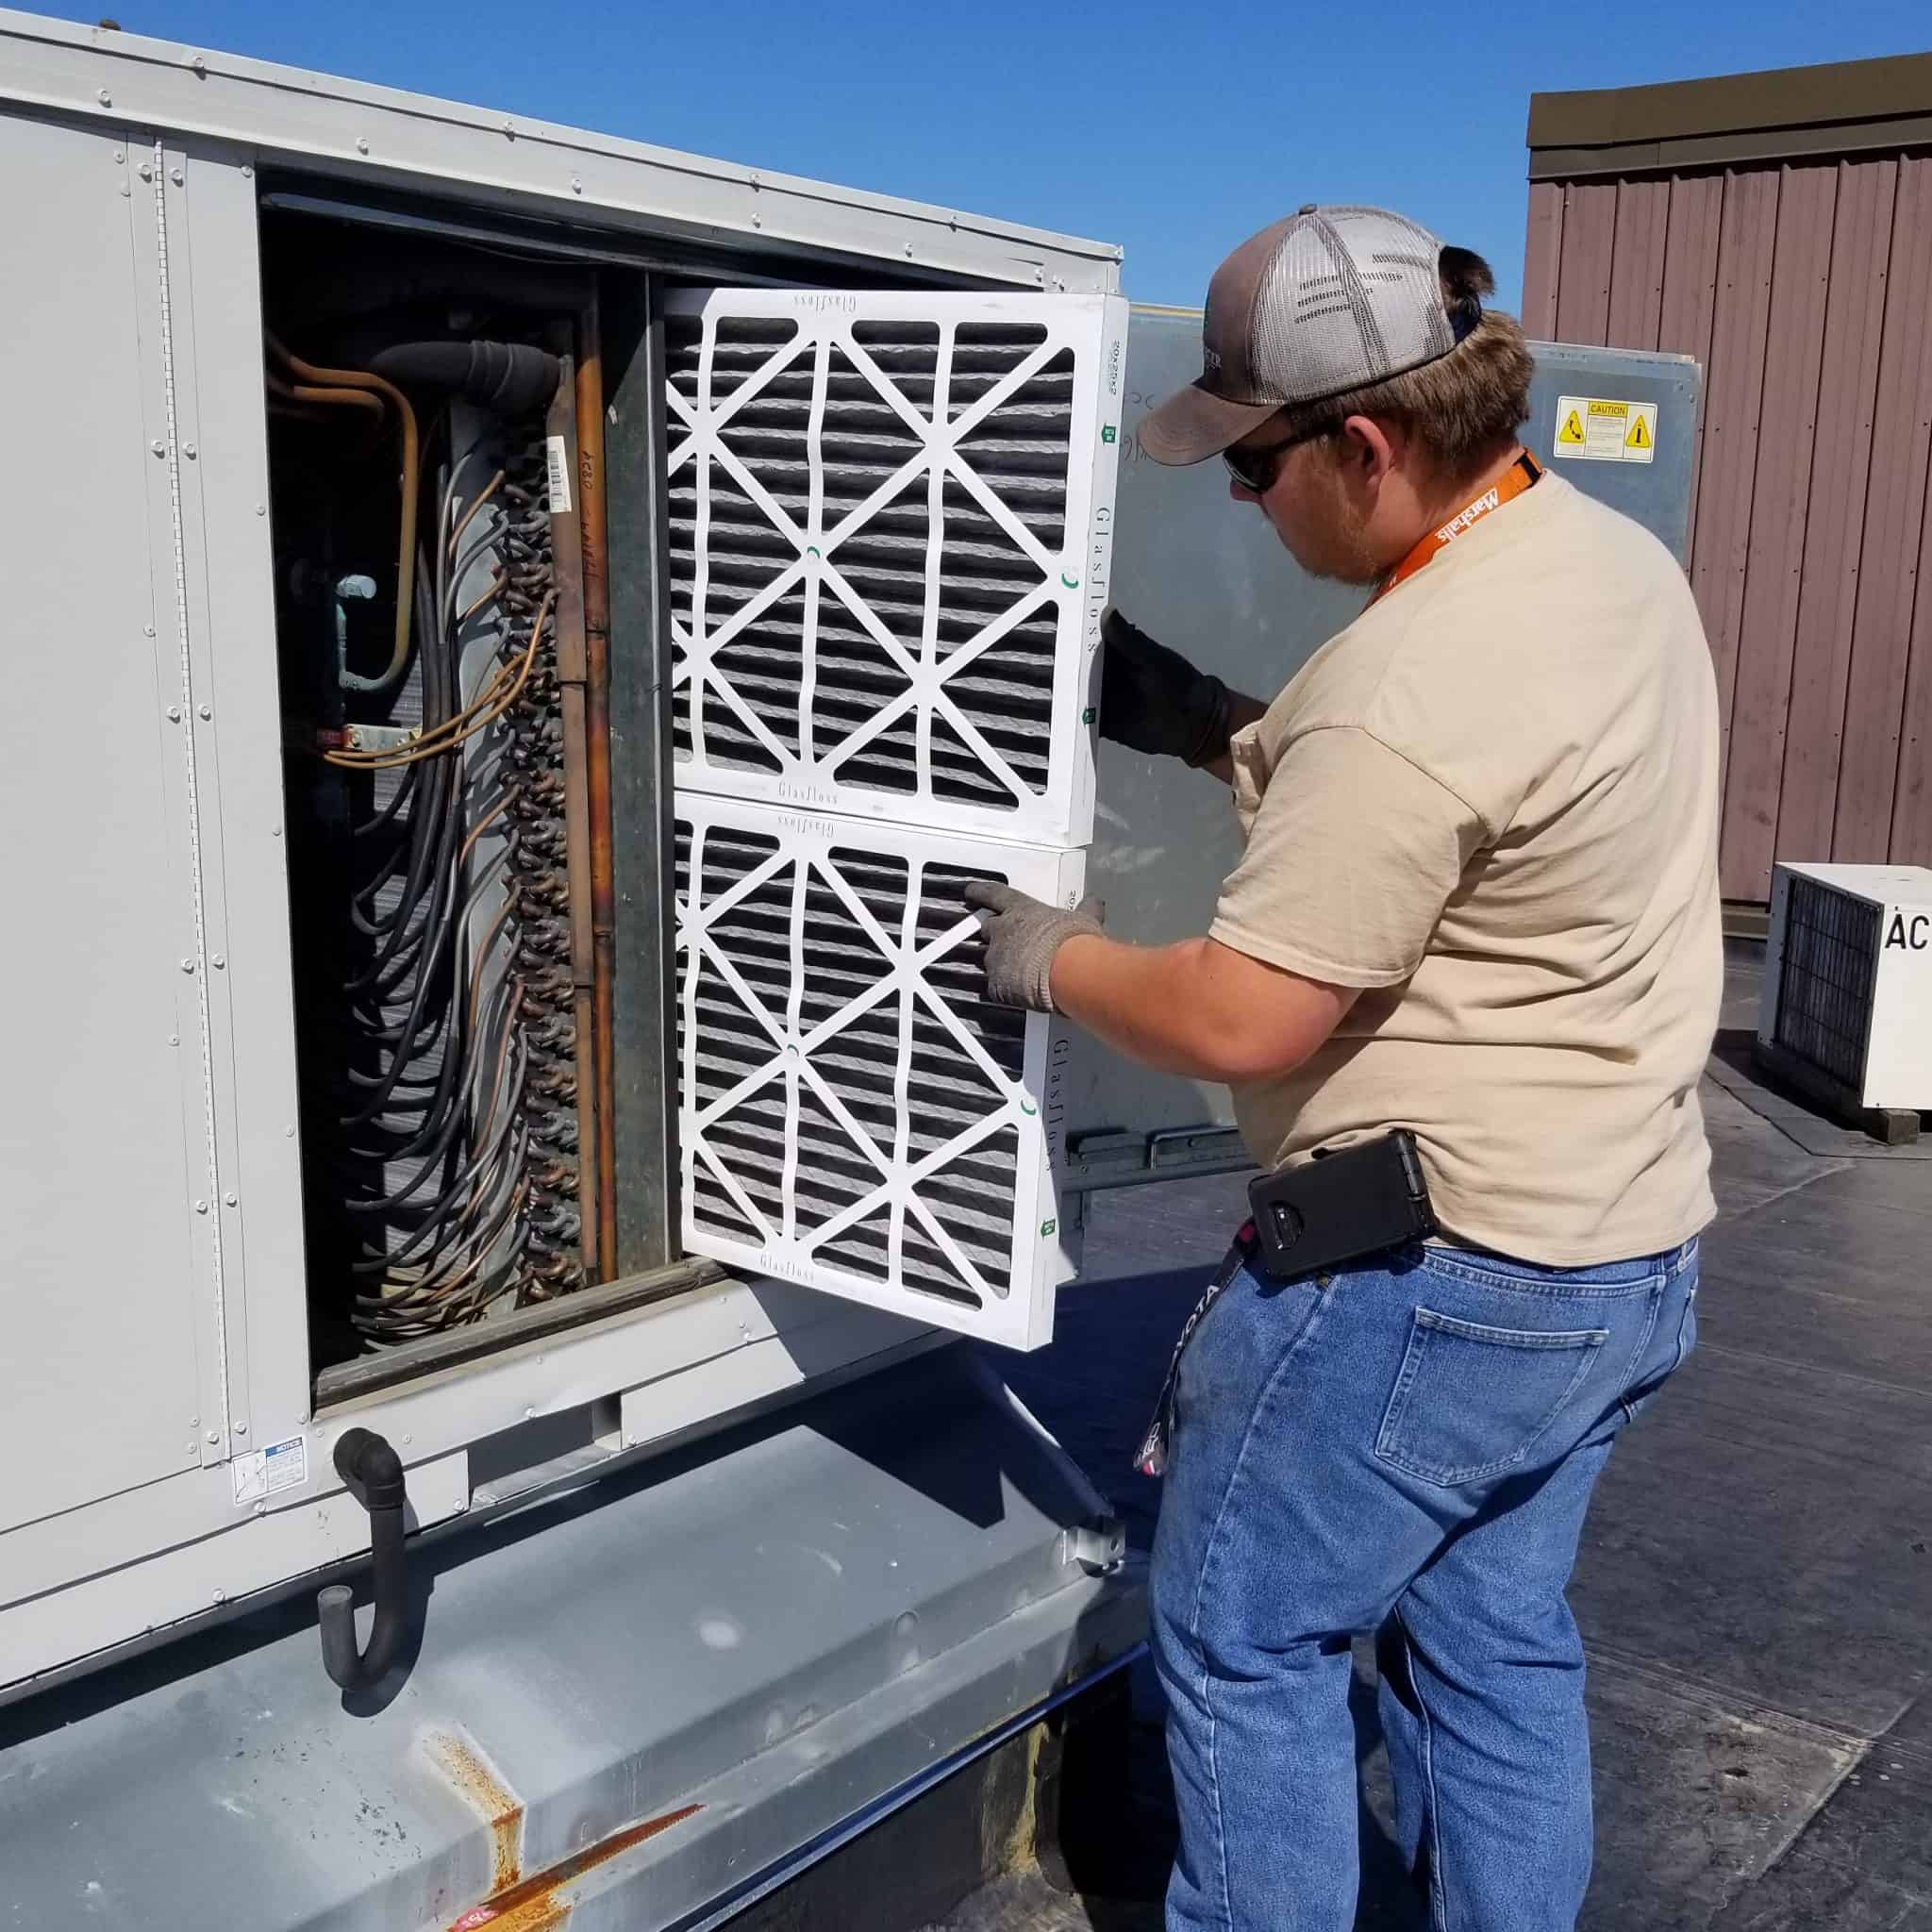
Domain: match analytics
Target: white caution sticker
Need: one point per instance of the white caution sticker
(265, 1473)
(1600, 430)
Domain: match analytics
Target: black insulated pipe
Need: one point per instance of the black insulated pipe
(510, 378)
(374, 1473)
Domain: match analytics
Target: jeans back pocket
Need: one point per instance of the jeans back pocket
(1471, 1402)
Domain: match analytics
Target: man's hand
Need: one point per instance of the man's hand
(1021, 935)
(1153, 700)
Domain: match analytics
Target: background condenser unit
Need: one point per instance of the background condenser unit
(890, 542)
(1847, 1001)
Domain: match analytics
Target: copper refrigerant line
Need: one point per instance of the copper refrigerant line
(479, 1014)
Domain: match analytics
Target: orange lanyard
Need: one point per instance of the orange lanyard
(1523, 472)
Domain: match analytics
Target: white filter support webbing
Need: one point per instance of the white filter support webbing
(890, 542)
(855, 1115)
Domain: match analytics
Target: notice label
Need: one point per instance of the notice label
(265, 1473)
(559, 459)
(1600, 430)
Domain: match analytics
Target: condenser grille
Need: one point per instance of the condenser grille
(855, 1112)
(1825, 985)
(882, 550)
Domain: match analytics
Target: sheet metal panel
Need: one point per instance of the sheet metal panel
(1583, 292)
(104, 1065)
(1801, 280)
(1210, 577)
(383, 138)
(1542, 257)
(1636, 266)
(1840, 464)
(1733, 400)
(1895, 508)
(1781, 502)
(1690, 292)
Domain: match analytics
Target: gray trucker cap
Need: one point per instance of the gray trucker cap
(1328, 300)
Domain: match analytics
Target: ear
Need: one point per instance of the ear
(1371, 449)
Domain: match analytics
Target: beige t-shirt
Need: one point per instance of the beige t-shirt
(1492, 802)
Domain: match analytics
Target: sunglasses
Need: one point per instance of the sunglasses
(1256, 467)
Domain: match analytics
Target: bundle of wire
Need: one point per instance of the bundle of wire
(458, 1148)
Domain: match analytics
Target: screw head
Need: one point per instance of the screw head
(188, 965)
(199, 65)
(219, 961)
(576, 187)
(208, 710)
(262, 509)
(188, 451)
(220, 1597)
(106, 99)
(361, 145)
(234, 1200)
(176, 176)
(175, 713)
(201, 1208)
(173, 1039)
(289, 1133)
(120, 157)
(147, 172)
(262, 1508)
(213, 1436)
(247, 173)
(241, 1428)
(159, 448)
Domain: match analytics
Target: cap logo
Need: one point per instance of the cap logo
(1210, 358)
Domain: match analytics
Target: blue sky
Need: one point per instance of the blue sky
(1175, 130)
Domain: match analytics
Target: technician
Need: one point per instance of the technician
(1471, 955)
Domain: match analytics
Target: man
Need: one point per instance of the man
(1477, 904)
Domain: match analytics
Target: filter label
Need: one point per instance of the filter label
(265, 1473)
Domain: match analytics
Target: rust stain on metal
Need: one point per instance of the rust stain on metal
(533, 1905)
(483, 1790)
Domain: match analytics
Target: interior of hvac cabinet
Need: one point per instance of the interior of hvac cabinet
(440, 643)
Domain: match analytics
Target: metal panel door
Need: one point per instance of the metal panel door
(101, 1127)
(1212, 579)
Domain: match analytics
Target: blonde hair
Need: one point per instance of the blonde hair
(1461, 406)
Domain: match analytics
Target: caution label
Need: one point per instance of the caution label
(1601, 429)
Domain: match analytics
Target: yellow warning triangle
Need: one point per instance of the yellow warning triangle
(1571, 430)
(1639, 434)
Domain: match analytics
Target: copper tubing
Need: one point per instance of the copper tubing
(347, 398)
(405, 544)
(597, 734)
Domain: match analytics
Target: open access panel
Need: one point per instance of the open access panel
(555, 694)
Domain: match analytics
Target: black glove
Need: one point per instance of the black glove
(1151, 699)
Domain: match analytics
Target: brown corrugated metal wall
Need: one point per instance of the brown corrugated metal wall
(1804, 288)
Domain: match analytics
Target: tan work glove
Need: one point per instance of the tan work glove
(1021, 935)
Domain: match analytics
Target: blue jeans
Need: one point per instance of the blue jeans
(1408, 1448)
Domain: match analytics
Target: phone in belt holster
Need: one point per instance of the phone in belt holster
(1340, 1206)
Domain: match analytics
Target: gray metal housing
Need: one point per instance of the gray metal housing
(1210, 577)
(163, 1460)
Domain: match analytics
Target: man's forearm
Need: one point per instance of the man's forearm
(1197, 1009)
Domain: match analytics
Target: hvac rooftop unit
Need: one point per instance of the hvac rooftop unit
(1847, 1004)
(891, 541)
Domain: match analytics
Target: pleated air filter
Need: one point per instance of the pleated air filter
(890, 542)
(856, 1116)
(890, 521)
